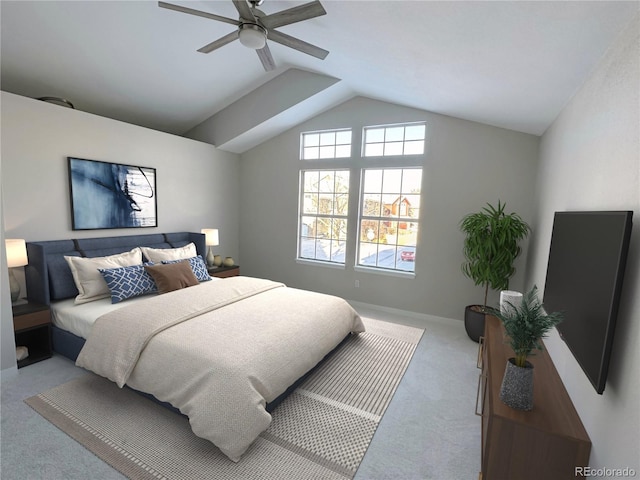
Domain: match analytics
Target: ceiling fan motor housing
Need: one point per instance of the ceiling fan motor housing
(252, 35)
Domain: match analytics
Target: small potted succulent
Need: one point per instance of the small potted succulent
(525, 326)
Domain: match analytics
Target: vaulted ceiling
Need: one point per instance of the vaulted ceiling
(509, 64)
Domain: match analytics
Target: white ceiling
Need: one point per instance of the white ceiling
(510, 64)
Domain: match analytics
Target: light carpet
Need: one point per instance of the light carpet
(321, 431)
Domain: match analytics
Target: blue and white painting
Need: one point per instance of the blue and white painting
(111, 195)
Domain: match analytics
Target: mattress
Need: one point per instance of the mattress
(79, 318)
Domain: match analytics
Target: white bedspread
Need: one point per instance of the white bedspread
(219, 351)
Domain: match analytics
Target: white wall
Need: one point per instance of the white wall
(467, 165)
(197, 185)
(590, 160)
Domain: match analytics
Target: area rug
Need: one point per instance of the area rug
(321, 431)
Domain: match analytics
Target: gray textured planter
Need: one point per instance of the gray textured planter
(517, 386)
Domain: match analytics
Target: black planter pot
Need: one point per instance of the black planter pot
(474, 322)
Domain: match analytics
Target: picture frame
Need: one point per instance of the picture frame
(107, 195)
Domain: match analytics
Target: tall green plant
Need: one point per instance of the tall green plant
(526, 324)
(491, 246)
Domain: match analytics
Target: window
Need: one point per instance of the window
(328, 144)
(323, 215)
(380, 228)
(394, 140)
(389, 218)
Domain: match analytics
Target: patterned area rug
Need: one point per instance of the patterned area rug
(321, 431)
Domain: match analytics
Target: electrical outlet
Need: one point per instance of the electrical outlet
(357, 283)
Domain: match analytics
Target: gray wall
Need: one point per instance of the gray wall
(590, 160)
(467, 165)
(197, 184)
(7, 344)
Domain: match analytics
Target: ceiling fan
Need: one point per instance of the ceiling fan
(254, 28)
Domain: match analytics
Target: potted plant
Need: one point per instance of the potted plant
(525, 326)
(491, 246)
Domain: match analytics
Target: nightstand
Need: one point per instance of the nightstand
(32, 328)
(223, 272)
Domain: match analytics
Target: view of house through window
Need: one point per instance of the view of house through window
(388, 218)
(323, 215)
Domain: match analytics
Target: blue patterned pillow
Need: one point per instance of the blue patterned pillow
(197, 265)
(127, 282)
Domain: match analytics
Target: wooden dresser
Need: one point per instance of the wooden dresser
(548, 442)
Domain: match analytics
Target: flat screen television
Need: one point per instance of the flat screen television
(586, 266)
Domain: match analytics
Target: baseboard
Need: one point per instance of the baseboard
(424, 317)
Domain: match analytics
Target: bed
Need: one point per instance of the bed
(221, 351)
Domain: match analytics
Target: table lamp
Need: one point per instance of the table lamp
(211, 239)
(16, 257)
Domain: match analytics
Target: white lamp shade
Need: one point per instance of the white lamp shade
(252, 36)
(211, 237)
(508, 298)
(16, 252)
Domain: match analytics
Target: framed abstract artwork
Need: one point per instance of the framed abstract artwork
(111, 195)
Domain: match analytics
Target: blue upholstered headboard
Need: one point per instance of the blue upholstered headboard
(48, 276)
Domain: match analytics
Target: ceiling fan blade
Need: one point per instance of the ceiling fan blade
(293, 15)
(266, 58)
(198, 13)
(219, 42)
(244, 10)
(297, 44)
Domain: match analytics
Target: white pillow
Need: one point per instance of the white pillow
(157, 255)
(89, 282)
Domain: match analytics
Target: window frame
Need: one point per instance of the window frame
(333, 216)
(356, 164)
(392, 142)
(387, 219)
(335, 144)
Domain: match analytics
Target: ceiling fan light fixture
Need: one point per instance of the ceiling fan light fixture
(252, 36)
